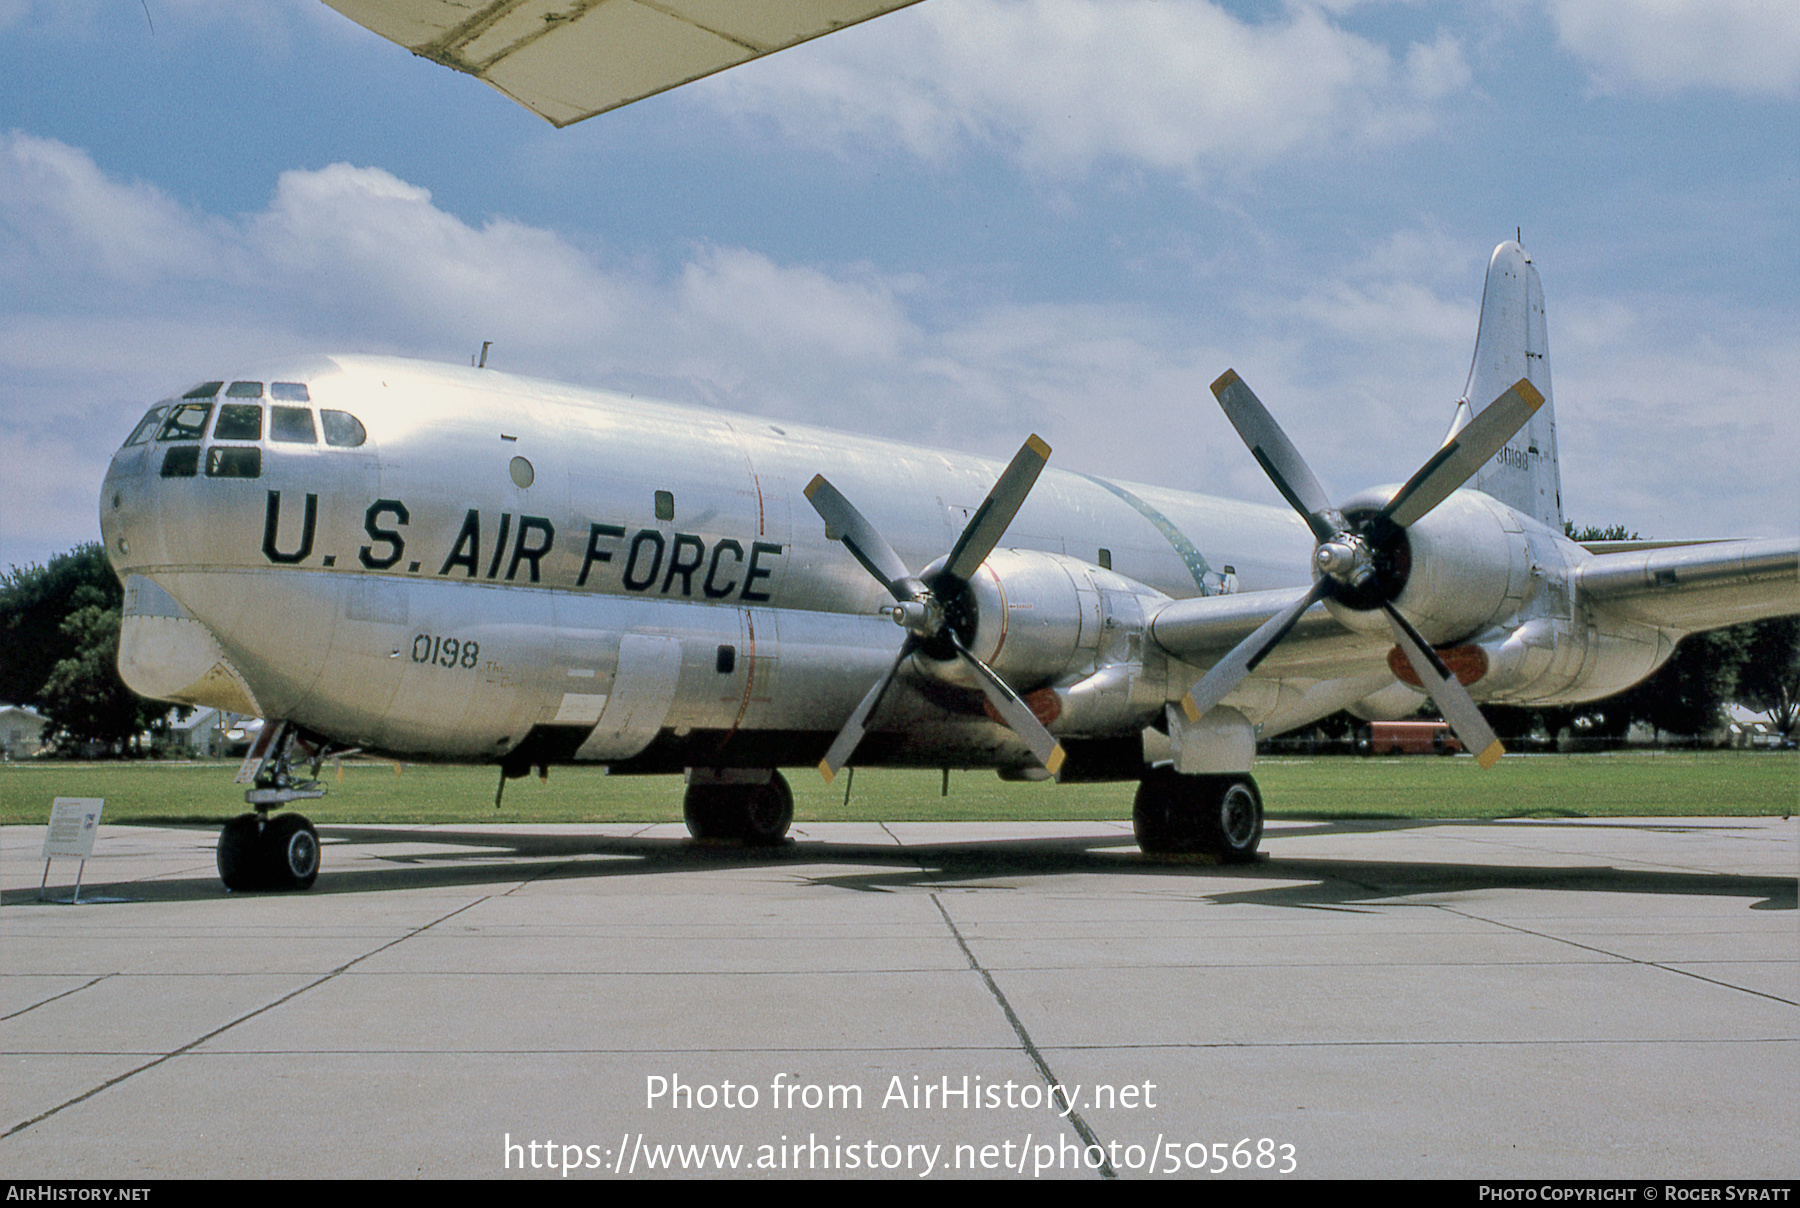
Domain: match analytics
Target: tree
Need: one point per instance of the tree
(1612, 532)
(1688, 694)
(34, 600)
(1769, 680)
(59, 650)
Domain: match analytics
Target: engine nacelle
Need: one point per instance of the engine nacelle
(1464, 566)
(1039, 618)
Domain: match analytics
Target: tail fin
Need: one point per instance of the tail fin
(1512, 344)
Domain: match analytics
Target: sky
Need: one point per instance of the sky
(957, 224)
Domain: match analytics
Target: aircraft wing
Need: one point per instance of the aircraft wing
(1683, 588)
(1204, 629)
(1696, 587)
(566, 60)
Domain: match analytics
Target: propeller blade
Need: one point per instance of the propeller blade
(1446, 691)
(1017, 713)
(860, 537)
(1277, 455)
(989, 523)
(848, 738)
(1464, 452)
(1230, 671)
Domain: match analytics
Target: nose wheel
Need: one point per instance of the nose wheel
(257, 852)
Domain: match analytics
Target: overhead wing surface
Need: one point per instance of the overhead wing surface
(566, 60)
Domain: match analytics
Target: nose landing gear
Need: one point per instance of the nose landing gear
(280, 853)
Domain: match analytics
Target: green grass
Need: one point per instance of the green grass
(1708, 783)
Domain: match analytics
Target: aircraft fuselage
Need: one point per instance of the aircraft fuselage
(501, 567)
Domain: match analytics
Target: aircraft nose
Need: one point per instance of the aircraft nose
(128, 505)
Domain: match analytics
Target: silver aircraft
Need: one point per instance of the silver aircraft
(451, 563)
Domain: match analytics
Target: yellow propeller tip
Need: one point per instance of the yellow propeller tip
(1491, 756)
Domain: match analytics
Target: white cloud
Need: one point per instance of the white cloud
(1751, 47)
(1179, 85)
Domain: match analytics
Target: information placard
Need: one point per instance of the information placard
(73, 821)
(73, 824)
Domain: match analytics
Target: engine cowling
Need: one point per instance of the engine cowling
(1463, 567)
(1038, 618)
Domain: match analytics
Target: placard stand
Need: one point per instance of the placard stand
(73, 823)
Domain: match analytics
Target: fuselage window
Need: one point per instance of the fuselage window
(183, 461)
(342, 429)
(239, 421)
(204, 390)
(147, 425)
(233, 461)
(186, 422)
(290, 392)
(291, 426)
(244, 390)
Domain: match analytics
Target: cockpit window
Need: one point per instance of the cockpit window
(233, 461)
(181, 461)
(204, 390)
(292, 425)
(239, 421)
(186, 422)
(290, 392)
(244, 390)
(342, 429)
(146, 426)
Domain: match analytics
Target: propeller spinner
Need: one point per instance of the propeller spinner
(1361, 563)
(932, 607)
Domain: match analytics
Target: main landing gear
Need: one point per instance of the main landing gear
(1219, 816)
(280, 853)
(748, 806)
(260, 852)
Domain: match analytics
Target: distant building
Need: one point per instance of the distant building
(21, 732)
(209, 734)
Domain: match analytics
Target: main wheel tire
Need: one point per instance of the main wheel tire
(1230, 819)
(706, 808)
(757, 815)
(240, 854)
(291, 846)
(1156, 813)
(768, 812)
(1178, 815)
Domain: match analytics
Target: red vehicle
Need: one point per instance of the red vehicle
(1411, 738)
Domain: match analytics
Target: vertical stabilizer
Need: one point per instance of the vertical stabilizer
(1512, 344)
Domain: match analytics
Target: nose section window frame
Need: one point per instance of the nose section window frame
(186, 422)
(292, 426)
(152, 420)
(342, 430)
(239, 421)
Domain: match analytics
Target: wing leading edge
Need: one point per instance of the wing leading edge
(566, 60)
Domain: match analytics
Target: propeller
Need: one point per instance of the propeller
(934, 607)
(1361, 563)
